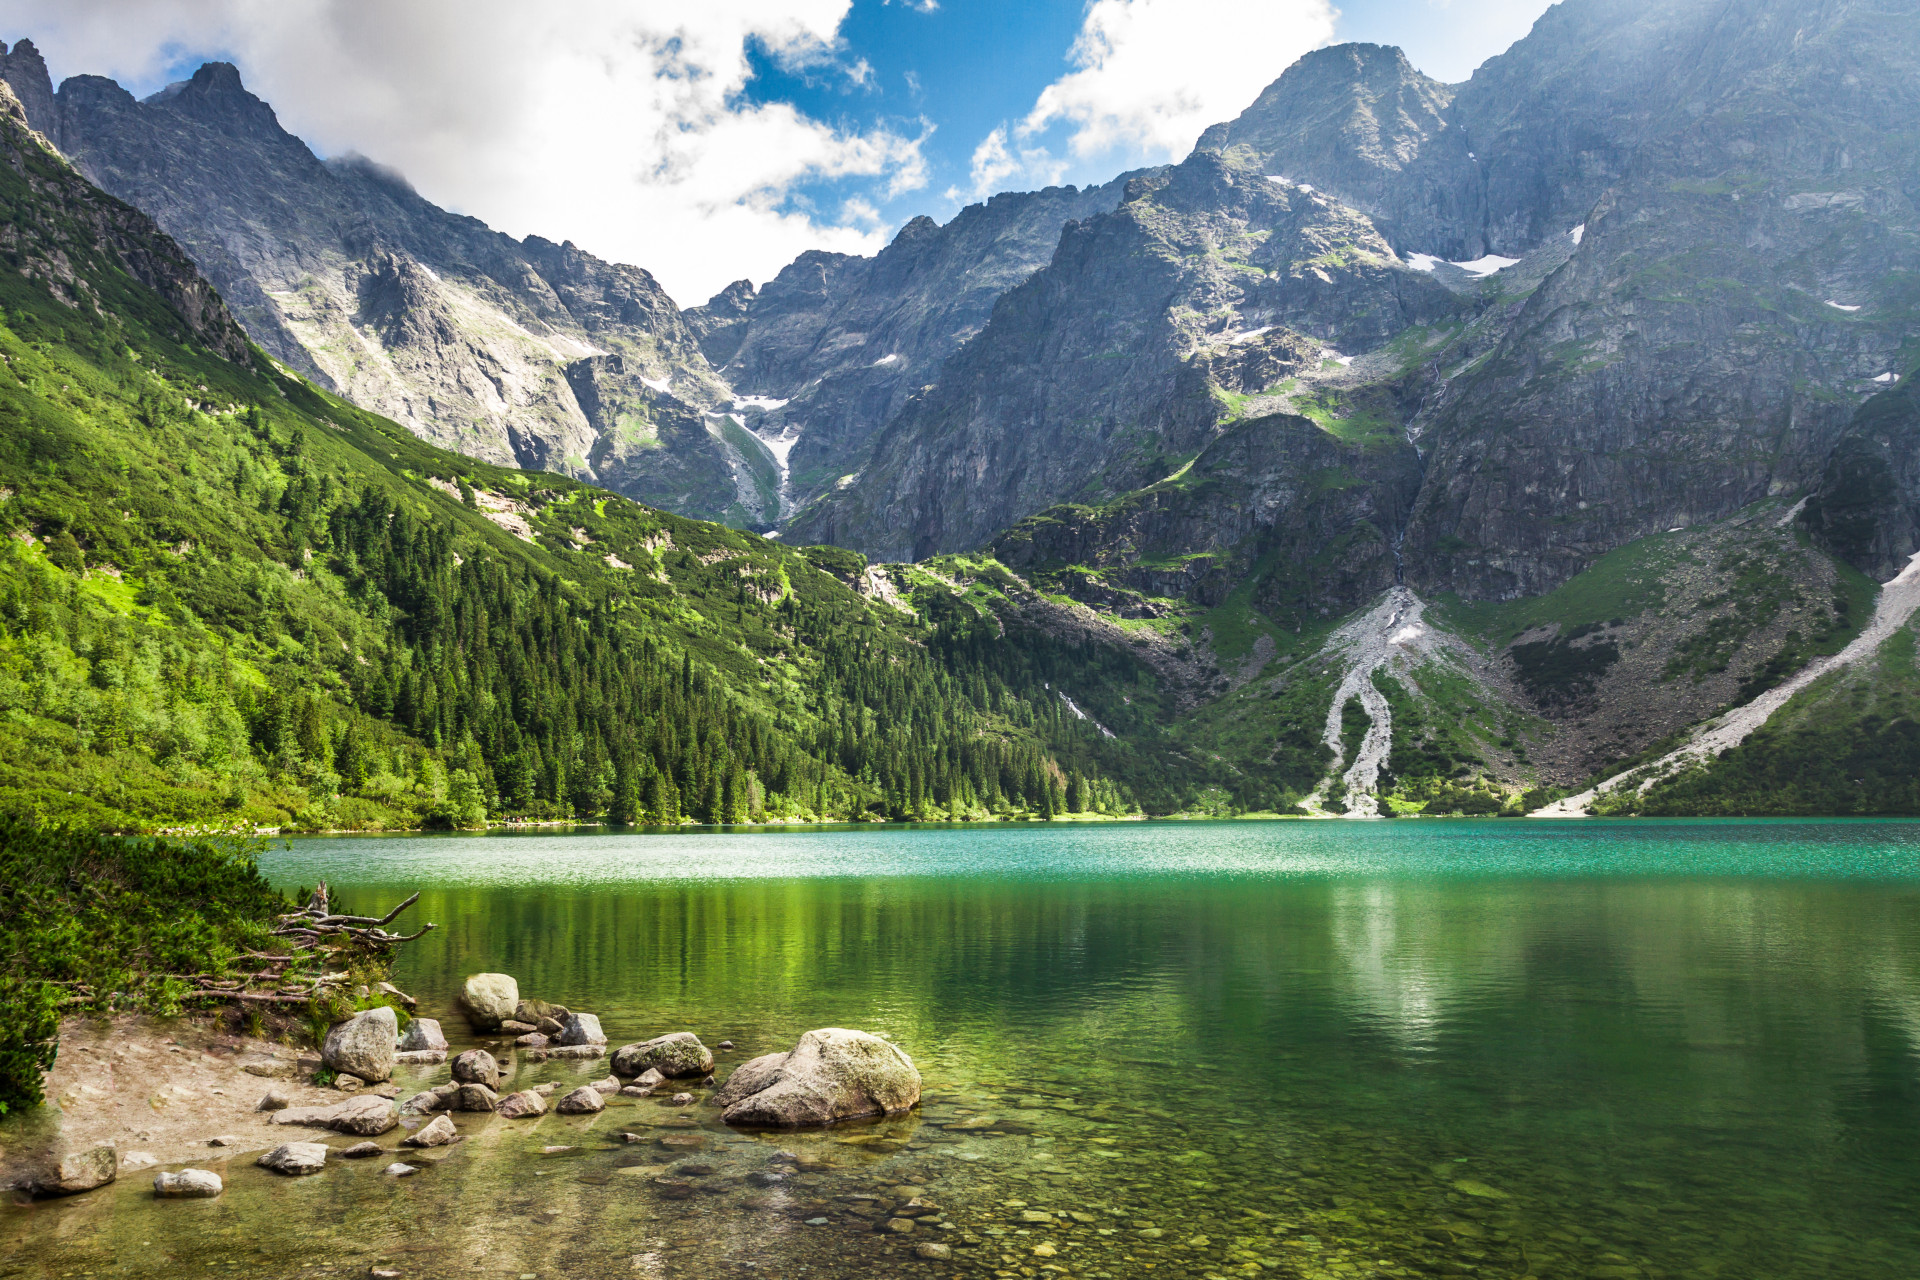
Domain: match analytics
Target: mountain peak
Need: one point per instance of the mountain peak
(25, 72)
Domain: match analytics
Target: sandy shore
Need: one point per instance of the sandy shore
(160, 1089)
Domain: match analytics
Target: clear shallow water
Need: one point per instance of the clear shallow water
(1586, 1049)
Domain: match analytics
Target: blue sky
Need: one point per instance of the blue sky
(713, 139)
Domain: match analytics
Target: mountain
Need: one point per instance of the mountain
(228, 597)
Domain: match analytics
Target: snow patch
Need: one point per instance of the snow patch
(1481, 268)
(1578, 234)
(1330, 354)
(1841, 306)
(765, 403)
(1242, 339)
(1888, 377)
(1422, 261)
(662, 385)
(887, 360)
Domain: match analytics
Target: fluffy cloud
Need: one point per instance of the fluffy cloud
(618, 126)
(1148, 76)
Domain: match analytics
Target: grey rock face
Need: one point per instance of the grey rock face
(295, 1158)
(81, 1171)
(188, 1184)
(1866, 509)
(678, 1054)
(363, 1045)
(423, 1035)
(831, 1074)
(489, 999)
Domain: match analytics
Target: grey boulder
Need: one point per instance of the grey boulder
(575, 1051)
(423, 1034)
(582, 1101)
(275, 1100)
(420, 1057)
(367, 1116)
(477, 1066)
(679, 1054)
(490, 999)
(295, 1158)
(581, 1028)
(474, 1097)
(363, 1045)
(188, 1184)
(522, 1105)
(424, 1103)
(437, 1132)
(81, 1171)
(831, 1074)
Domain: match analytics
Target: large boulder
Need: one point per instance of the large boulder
(582, 1101)
(679, 1054)
(295, 1158)
(832, 1074)
(81, 1171)
(474, 1097)
(423, 1035)
(581, 1028)
(368, 1116)
(363, 1045)
(188, 1184)
(477, 1066)
(522, 1105)
(490, 999)
(437, 1132)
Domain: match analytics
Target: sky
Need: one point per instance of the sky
(711, 140)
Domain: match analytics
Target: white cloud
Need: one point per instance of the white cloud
(1149, 76)
(615, 125)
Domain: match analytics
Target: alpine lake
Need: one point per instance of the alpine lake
(1580, 1049)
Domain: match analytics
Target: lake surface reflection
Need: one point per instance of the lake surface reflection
(1604, 1050)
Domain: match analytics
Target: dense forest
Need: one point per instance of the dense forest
(228, 599)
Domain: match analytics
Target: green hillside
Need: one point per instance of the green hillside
(228, 599)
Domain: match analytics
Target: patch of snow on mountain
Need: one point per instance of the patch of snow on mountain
(1888, 377)
(1481, 268)
(887, 360)
(662, 385)
(1422, 261)
(1241, 339)
(1578, 234)
(767, 403)
(1840, 306)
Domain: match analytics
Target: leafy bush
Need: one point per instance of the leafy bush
(97, 923)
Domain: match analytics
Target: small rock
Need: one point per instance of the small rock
(446, 1090)
(532, 1040)
(545, 1089)
(477, 1066)
(768, 1178)
(387, 988)
(898, 1226)
(274, 1101)
(474, 1097)
(548, 1026)
(651, 1077)
(724, 1044)
(223, 1140)
(681, 1100)
(295, 1158)
(582, 1101)
(636, 1091)
(535, 1010)
(387, 1091)
(363, 1045)
(633, 1137)
(437, 1132)
(783, 1157)
(674, 1188)
(554, 1151)
(398, 1170)
(512, 1028)
(490, 999)
(383, 1273)
(679, 1054)
(519, 1106)
(580, 1028)
(706, 1082)
(188, 1184)
(361, 1150)
(348, 1084)
(423, 1104)
(934, 1252)
(139, 1160)
(420, 1057)
(274, 1068)
(610, 1085)
(1035, 1215)
(366, 1116)
(82, 1171)
(916, 1208)
(575, 1051)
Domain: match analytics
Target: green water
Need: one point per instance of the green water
(1294, 1049)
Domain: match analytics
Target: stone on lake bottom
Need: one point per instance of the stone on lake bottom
(582, 1101)
(419, 1057)
(609, 1085)
(361, 1150)
(188, 1184)
(636, 1091)
(398, 1170)
(934, 1252)
(295, 1158)
(532, 1040)
(437, 1132)
(576, 1051)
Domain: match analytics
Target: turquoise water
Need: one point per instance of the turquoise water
(1579, 1049)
